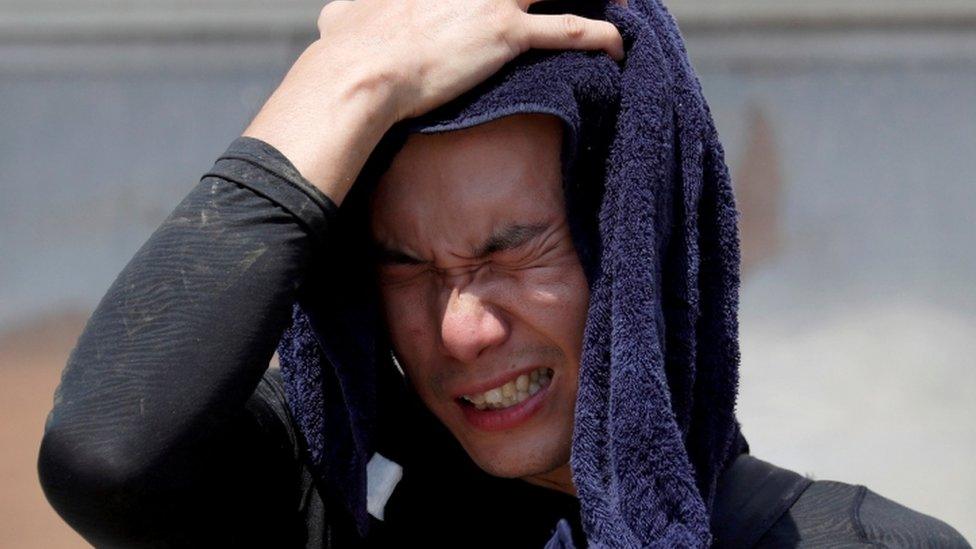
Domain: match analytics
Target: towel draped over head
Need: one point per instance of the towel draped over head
(654, 221)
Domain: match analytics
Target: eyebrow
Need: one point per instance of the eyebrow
(508, 238)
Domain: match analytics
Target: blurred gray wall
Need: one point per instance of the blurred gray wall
(850, 128)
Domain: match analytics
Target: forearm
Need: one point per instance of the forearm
(327, 117)
(153, 397)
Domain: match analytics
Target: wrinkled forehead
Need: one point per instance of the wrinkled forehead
(447, 182)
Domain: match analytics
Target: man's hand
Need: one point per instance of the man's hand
(433, 50)
(381, 61)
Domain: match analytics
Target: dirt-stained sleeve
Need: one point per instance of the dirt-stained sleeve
(156, 436)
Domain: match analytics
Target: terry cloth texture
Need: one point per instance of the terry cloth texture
(654, 221)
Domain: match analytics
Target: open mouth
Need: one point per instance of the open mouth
(510, 394)
(509, 405)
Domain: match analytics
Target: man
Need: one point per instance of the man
(167, 430)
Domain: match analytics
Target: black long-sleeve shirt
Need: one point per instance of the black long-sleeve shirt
(157, 432)
(169, 429)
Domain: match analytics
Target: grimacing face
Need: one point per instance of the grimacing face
(484, 295)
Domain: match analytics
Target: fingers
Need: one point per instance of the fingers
(567, 31)
(331, 10)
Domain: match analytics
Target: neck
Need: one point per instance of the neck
(559, 479)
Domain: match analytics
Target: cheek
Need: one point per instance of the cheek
(413, 336)
(560, 301)
(404, 311)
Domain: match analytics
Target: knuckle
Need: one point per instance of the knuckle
(334, 6)
(572, 26)
(331, 10)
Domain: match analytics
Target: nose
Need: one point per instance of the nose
(471, 325)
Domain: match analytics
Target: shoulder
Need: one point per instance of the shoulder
(268, 407)
(831, 513)
(896, 525)
(758, 504)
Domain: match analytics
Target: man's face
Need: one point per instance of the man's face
(484, 295)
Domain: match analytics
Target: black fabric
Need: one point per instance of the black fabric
(168, 429)
(832, 514)
(156, 434)
(752, 495)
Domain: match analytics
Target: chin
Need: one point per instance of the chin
(537, 443)
(512, 459)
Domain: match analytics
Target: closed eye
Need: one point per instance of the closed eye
(509, 243)
(527, 255)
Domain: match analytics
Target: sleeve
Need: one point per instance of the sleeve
(886, 523)
(160, 433)
(846, 515)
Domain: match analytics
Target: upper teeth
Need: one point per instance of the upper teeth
(513, 392)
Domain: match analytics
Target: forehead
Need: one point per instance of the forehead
(455, 186)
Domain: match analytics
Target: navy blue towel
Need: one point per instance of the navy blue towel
(655, 223)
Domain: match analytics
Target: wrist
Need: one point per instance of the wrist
(326, 117)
